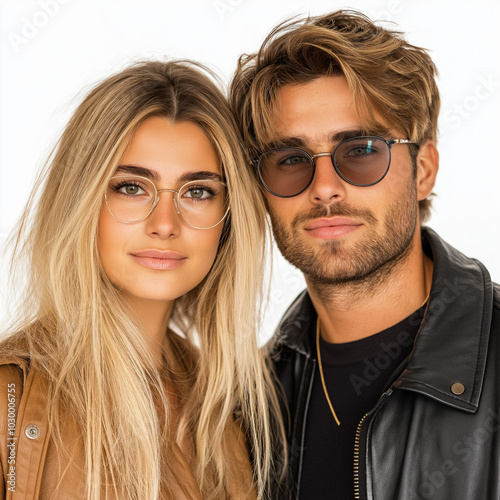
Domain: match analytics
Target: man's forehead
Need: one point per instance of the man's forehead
(306, 141)
(320, 111)
(294, 96)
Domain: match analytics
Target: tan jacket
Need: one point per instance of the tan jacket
(30, 466)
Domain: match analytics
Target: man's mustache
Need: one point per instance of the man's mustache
(334, 210)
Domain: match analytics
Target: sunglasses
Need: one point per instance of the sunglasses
(360, 161)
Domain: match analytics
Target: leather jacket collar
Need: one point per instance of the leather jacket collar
(459, 307)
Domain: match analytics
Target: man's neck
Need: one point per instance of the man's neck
(353, 311)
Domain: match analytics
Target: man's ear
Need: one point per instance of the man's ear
(427, 169)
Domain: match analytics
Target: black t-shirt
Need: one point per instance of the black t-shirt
(356, 374)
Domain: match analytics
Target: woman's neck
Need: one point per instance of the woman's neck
(153, 316)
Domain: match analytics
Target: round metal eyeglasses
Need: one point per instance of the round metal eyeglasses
(201, 204)
(360, 161)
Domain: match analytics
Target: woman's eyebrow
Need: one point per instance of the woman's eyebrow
(192, 175)
(197, 175)
(136, 170)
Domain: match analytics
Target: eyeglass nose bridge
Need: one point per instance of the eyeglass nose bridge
(317, 155)
(174, 199)
(330, 155)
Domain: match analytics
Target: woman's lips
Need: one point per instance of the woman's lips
(158, 259)
(331, 227)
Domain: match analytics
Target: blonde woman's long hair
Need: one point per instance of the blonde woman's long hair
(80, 335)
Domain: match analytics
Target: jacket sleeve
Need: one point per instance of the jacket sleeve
(11, 388)
(2, 483)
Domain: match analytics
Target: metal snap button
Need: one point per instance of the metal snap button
(32, 431)
(458, 388)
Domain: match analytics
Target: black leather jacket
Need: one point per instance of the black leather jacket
(434, 433)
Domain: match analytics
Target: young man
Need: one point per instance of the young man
(389, 361)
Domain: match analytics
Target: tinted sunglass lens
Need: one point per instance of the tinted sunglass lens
(285, 172)
(362, 161)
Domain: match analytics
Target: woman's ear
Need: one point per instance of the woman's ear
(427, 168)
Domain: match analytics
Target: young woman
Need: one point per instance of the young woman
(134, 371)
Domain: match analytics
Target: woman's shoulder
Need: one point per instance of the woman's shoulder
(14, 358)
(13, 369)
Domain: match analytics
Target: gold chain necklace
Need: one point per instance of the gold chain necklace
(321, 374)
(321, 366)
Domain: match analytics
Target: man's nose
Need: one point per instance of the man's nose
(327, 185)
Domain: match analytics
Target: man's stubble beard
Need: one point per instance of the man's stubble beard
(358, 266)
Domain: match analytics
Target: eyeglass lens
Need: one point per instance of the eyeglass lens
(362, 161)
(202, 203)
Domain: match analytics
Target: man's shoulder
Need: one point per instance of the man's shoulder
(496, 296)
(496, 308)
(293, 330)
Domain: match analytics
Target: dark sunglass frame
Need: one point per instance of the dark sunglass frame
(257, 163)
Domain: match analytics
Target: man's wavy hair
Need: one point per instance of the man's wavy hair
(386, 74)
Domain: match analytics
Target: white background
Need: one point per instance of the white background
(52, 51)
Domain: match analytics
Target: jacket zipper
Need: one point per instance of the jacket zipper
(356, 457)
(357, 443)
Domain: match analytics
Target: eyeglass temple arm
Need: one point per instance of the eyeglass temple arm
(401, 141)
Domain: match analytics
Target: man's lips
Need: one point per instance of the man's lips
(331, 222)
(158, 259)
(331, 227)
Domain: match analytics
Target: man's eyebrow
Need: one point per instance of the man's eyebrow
(302, 142)
(136, 170)
(350, 134)
(285, 142)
